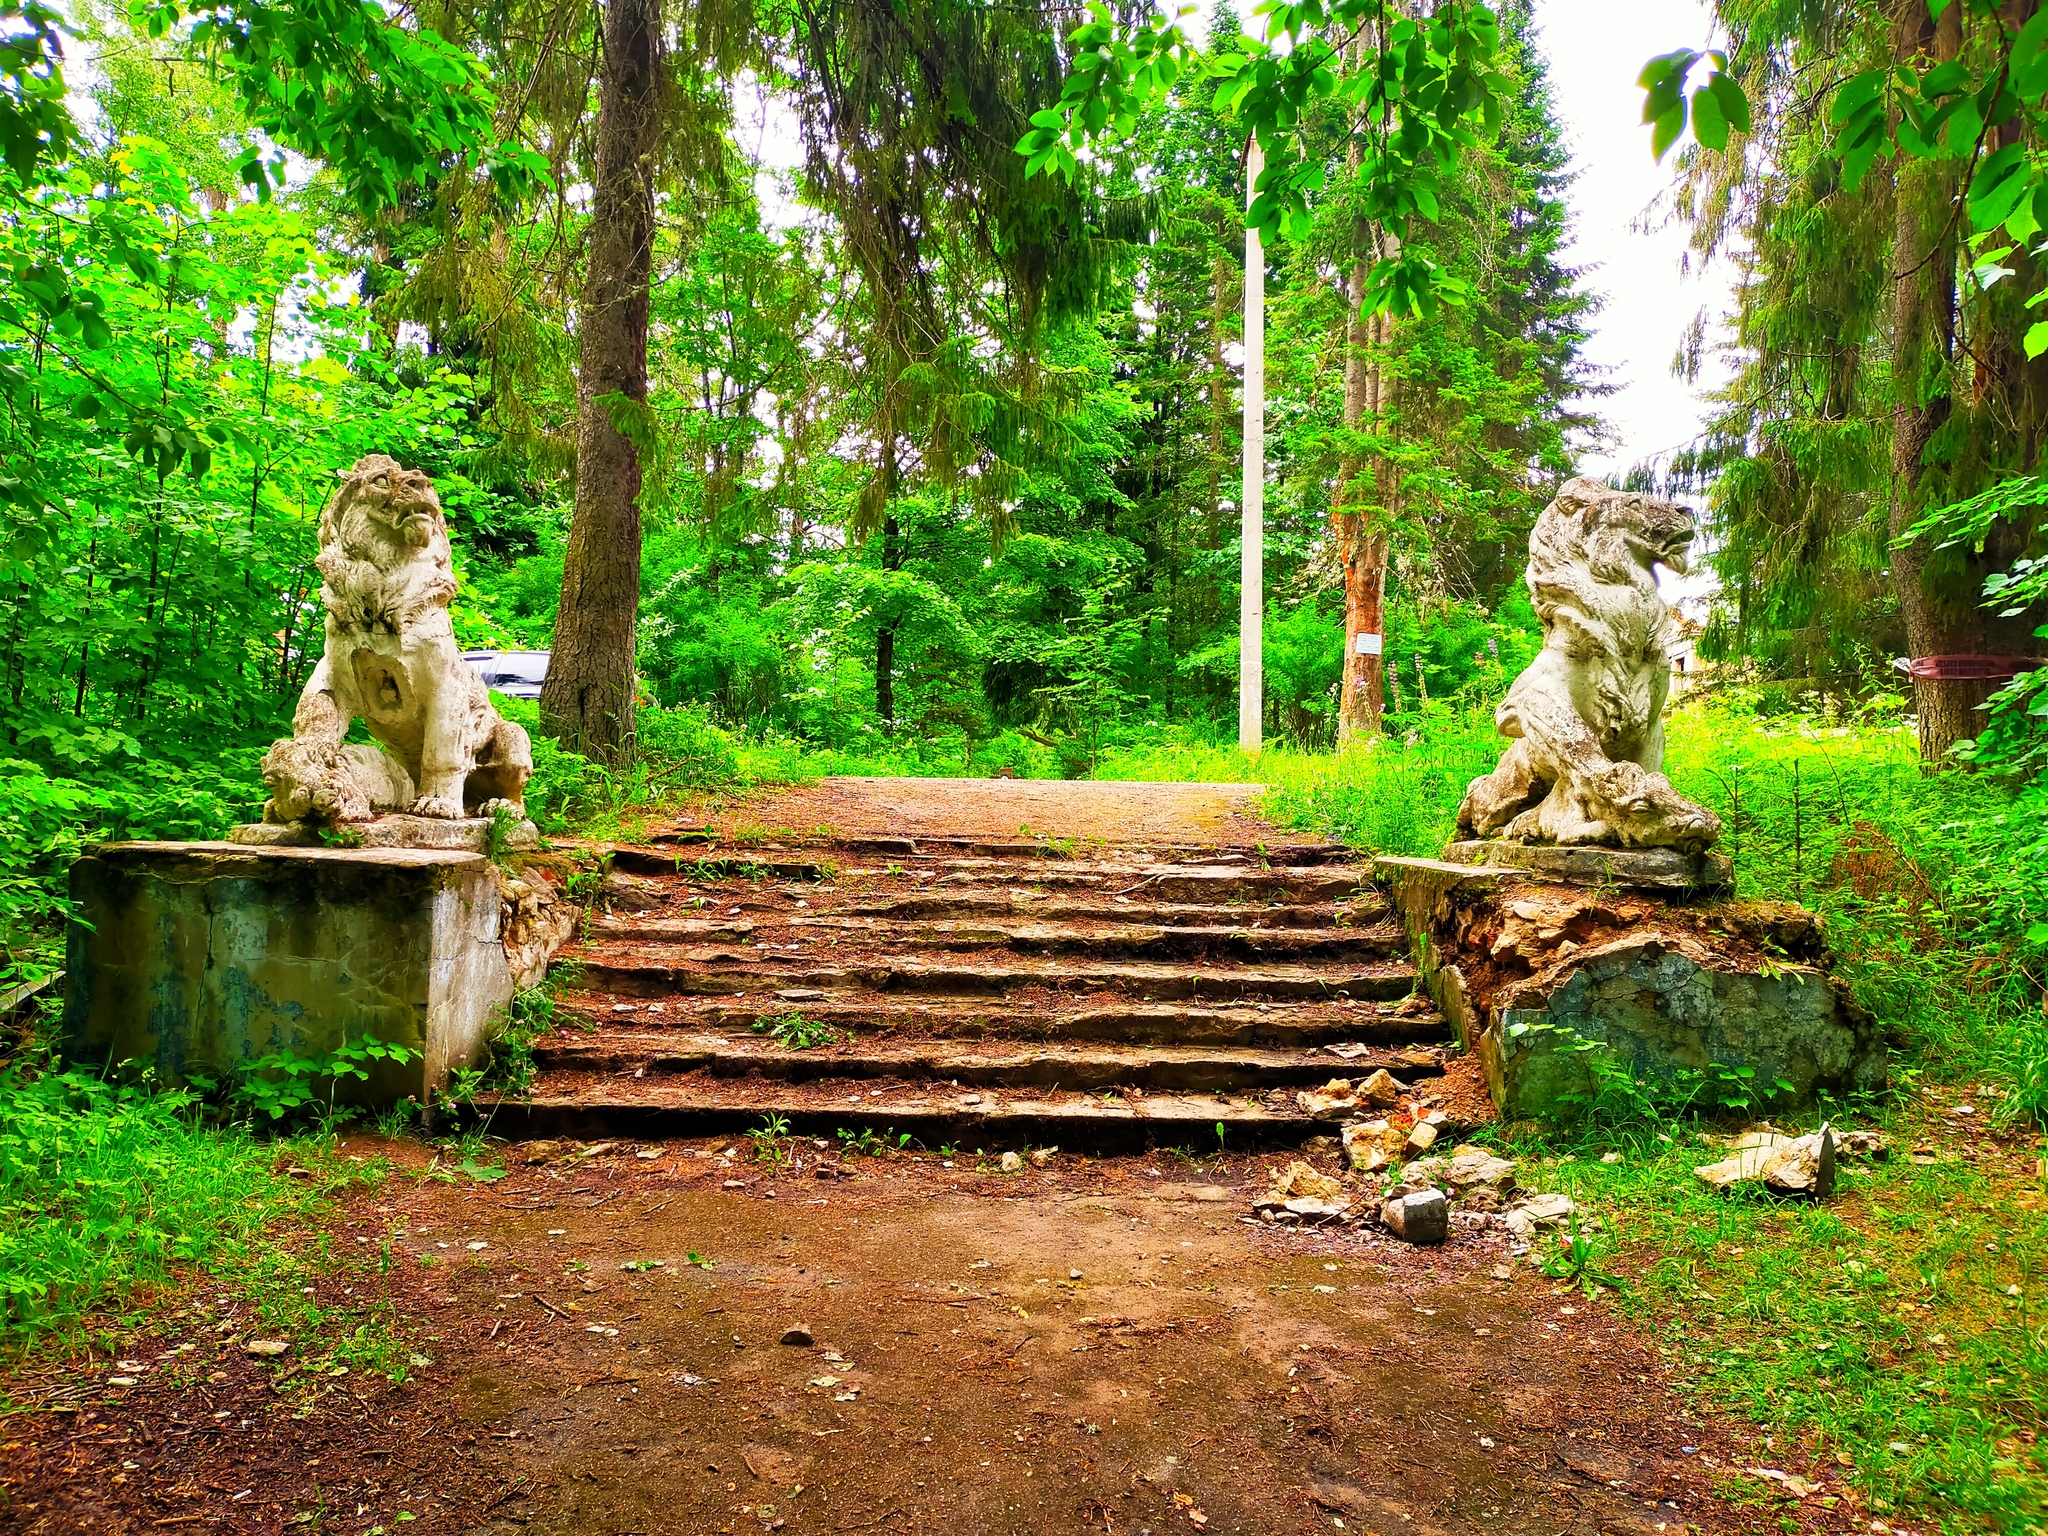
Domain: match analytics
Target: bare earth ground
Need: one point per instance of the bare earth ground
(1080, 808)
(1201, 1374)
(1109, 1346)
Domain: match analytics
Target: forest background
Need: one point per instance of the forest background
(937, 459)
(937, 471)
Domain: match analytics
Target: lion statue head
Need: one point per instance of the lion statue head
(1616, 537)
(384, 553)
(382, 513)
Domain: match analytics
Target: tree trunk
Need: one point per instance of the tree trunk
(1940, 592)
(587, 701)
(1362, 551)
(885, 674)
(885, 635)
(1219, 387)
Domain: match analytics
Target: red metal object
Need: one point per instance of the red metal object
(1965, 668)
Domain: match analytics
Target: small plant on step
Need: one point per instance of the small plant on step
(794, 1032)
(768, 1138)
(498, 835)
(867, 1143)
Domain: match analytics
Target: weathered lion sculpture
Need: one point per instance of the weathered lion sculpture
(1586, 716)
(391, 660)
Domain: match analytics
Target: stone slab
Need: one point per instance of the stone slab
(1669, 1016)
(1655, 869)
(199, 957)
(471, 834)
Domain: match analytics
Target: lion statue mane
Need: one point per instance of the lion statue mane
(391, 660)
(1586, 717)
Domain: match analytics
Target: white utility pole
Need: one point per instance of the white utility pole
(1251, 603)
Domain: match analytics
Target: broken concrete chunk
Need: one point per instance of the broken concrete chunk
(1422, 1217)
(1333, 1101)
(1473, 1168)
(1420, 1140)
(1538, 1211)
(1788, 1165)
(1382, 1090)
(1370, 1145)
(1864, 1144)
(1299, 1181)
(1805, 1167)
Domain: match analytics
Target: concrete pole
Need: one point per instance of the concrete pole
(1251, 686)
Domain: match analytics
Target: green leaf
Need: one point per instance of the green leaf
(2037, 338)
(1668, 128)
(1709, 125)
(1734, 104)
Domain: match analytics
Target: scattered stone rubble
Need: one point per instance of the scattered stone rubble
(1802, 1166)
(1415, 1197)
(1395, 1179)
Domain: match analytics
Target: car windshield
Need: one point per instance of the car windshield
(530, 668)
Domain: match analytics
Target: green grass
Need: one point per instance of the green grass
(1892, 1333)
(1872, 1333)
(114, 1198)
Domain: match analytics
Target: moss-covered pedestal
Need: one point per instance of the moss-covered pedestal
(1571, 979)
(200, 957)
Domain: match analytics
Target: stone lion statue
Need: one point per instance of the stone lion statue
(391, 660)
(1586, 717)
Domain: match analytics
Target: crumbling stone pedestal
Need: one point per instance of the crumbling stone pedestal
(196, 958)
(1553, 973)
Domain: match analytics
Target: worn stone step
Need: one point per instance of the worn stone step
(1320, 1024)
(715, 972)
(1163, 914)
(1242, 942)
(935, 1116)
(1087, 1068)
(1174, 882)
(699, 864)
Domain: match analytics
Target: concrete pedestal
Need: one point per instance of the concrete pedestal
(1650, 869)
(394, 830)
(199, 957)
(1565, 988)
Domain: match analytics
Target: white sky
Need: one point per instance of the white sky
(1595, 49)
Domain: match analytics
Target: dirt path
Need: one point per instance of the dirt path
(1083, 808)
(1197, 1373)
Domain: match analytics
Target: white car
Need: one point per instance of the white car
(516, 674)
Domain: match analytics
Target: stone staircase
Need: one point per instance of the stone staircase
(983, 992)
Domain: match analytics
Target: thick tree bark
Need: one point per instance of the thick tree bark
(1941, 591)
(587, 701)
(1361, 549)
(885, 635)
